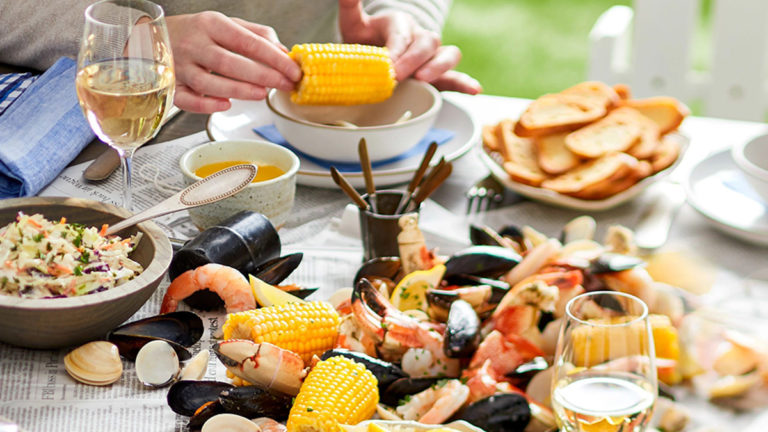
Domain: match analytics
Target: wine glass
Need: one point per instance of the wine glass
(125, 79)
(604, 375)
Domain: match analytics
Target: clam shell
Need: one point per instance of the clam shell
(157, 364)
(195, 369)
(95, 363)
(230, 423)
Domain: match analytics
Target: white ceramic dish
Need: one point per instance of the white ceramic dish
(554, 198)
(752, 158)
(272, 198)
(459, 425)
(717, 189)
(238, 122)
(307, 127)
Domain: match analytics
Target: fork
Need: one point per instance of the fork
(484, 195)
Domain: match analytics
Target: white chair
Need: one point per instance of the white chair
(649, 47)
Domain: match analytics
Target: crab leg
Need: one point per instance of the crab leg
(262, 364)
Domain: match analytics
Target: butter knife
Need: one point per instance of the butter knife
(664, 199)
(103, 166)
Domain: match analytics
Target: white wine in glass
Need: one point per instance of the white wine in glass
(604, 374)
(125, 77)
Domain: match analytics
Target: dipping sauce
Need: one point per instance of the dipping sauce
(265, 172)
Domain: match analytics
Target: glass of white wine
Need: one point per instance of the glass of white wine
(605, 371)
(125, 79)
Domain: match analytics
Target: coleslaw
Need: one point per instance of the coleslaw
(44, 259)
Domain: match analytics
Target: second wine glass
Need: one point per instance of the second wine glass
(604, 376)
(125, 79)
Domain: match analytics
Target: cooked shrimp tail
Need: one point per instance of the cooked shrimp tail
(226, 282)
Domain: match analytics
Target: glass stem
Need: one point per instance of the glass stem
(125, 158)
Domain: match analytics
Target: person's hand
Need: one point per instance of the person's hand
(416, 52)
(217, 58)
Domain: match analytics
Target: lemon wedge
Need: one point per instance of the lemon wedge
(268, 295)
(373, 427)
(411, 292)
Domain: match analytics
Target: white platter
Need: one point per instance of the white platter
(238, 123)
(554, 198)
(389, 425)
(717, 189)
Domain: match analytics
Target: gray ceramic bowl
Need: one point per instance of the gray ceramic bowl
(62, 322)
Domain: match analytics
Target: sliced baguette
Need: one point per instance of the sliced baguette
(593, 176)
(667, 112)
(595, 90)
(519, 156)
(623, 91)
(618, 183)
(665, 154)
(556, 113)
(553, 156)
(649, 136)
(490, 138)
(617, 132)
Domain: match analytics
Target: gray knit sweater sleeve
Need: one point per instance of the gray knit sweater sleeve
(430, 14)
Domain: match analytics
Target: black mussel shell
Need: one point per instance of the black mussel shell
(364, 291)
(184, 328)
(486, 261)
(185, 397)
(243, 241)
(303, 293)
(484, 236)
(593, 283)
(608, 301)
(204, 300)
(512, 231)
(382, 267)
(527, 370)
(276, 270)
(499, 288)
(462, 332)
(253, 401)
(196, 421)
(499, 413)
(129, 345)
(403, 387)
(544, 319)
(611, 262)
(386, 373)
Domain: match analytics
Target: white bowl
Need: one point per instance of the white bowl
(272, 198)
(752, 158)
(306, 127)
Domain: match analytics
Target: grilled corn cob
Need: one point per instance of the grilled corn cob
(306, 328)
(342, 74)
(336, 391)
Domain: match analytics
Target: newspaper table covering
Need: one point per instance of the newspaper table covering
(37, 394)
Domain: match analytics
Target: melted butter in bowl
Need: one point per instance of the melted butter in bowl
(264, 173)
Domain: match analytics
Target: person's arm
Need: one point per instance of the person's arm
(428, 14)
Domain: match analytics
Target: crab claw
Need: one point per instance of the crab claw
(262, 364)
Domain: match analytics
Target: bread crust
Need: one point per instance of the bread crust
(557, 113)
(553, 156)
(594, 173)
(665, 154)
(616, 132)
(519, 155)
(595, 90)
(667, 112)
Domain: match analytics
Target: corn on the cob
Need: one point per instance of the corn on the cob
(306, 328)
(343, 74)
(336, 391)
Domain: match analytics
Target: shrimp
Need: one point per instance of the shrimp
(230, 285)
(435, 404)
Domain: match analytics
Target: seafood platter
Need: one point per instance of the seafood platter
(416, 341)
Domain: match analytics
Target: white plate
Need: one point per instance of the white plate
(717, 189)
(238, 123)
(552, 197)
(389, 425)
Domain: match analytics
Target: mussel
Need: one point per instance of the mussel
(613, 262)
(379, 268)
(486, 261)
(277, 269)
(185, 397)
(462, 333)
(507, 412)
(386, 373)
(180, 329)
(253, 401)
(403, 387)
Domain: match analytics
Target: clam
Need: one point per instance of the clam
(580, 228)
(95, 363)
(157, 364)
(195, 369)
(230, 423)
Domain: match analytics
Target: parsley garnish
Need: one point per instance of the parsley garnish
(85, 257)
(78, 270)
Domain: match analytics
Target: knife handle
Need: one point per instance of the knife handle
(653, 228)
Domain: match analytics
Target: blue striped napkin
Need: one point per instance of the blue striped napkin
(41, 131)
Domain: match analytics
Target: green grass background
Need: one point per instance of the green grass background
(526, 48)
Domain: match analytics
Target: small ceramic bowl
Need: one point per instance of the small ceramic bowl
(752, 158)
(273, 198)
(311, 129)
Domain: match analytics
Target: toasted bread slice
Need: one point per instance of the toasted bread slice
(665, 154)
(595, 90)
(617, 183)
(649, 136)
(553, 156)
(519, 156)
(556, 113)
(490, 138)
(667, 112)
(593, 176)
(618, 131)
(623, 91)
